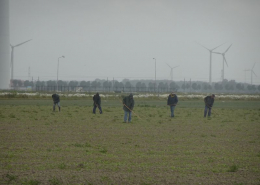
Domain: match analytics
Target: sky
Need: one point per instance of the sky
(118, 39)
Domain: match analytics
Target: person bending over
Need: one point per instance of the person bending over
(209, 101)
(56, 101)
(97, 103)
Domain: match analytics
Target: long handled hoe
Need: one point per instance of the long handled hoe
(130, 110)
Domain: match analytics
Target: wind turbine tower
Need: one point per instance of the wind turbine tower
(224, 60)
(171, 70)
(210, 60)
(29, 74)
(4, 45)
(252, 72)
(12, 57)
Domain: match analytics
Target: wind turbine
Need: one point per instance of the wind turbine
(224, 60)
(210, 59)
(171, 70)
(12, 57)
(252, 72)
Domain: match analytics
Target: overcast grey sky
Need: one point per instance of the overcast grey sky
(119, 38)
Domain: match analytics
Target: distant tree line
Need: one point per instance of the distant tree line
(138, 86)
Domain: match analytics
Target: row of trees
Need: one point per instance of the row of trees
(126, 85)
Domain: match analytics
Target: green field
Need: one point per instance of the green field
(74, 146)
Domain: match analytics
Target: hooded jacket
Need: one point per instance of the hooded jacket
(209, 101)
(172, 99)
(97, 99)
(129, 102)
(56, 98)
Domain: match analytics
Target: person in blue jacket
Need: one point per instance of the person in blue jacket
(172, 102)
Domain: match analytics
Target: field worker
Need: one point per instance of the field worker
(56, 101)
(172, 102)
(209, 101)
(128, 103)
(97, 103)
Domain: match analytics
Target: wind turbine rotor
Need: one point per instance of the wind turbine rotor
(228, 48)
(210, 60)
(225, 60)
(203, 46)
(169, 65)
(217, 46)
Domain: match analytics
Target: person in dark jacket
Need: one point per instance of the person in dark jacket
(129, 104)
(209, 101)
(97, 103)
(172, 102)
(56, 101)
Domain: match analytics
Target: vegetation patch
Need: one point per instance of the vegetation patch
(233, 168)
(74, 146)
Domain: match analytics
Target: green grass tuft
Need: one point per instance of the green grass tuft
(10, 177)
(31, 182)
(233, 168)
(62, 166)
(104, 151)
(55, 181)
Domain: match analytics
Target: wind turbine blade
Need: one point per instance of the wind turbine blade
(217, 53)
(253, 66)
(253, 72)
(169, 65)
(225, 59)
(228, 48)
(203, 46)
(175, 67)
(217, 46)
(22, 43)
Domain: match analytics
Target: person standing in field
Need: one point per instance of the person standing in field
(172, 102)
(56, 101)
(97, 103)
(209, 101)
(128, 107)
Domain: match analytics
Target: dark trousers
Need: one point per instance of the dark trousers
(207, 110)
(99, 107)
(54, 105)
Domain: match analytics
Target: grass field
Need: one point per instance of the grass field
(74, 146)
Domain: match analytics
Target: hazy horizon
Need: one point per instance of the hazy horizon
(119, 39)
